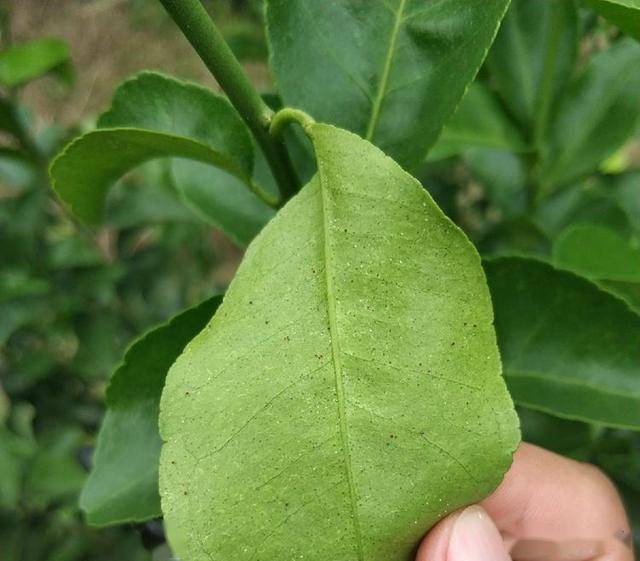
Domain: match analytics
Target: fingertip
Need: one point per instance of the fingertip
(435, 544)
(550, 497)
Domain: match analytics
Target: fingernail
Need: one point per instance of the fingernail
(474, 537)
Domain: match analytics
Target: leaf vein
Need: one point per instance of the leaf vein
(386, 71)
(339, 381)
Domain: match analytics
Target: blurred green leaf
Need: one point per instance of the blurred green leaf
(479, 120)
(26, 61)
(5, 406)
(17, 173)
(515, 237)
(74, 251)
(19, 312)
(623, 13)
(626, 191)
(98, 344)
(15, 283)
(582, 203)
(391, 71)
(55, 474)
(533, 58)
(220, 199)
(12, 119)
(598, 113)
(14, 453)
(147, 197)
(568, 348)
(618, 452)
(17, 447)
(597, 253)
(503, 176)
(123, 485)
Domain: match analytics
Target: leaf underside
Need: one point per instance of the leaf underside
(349, 383)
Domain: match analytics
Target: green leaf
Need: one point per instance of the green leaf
(583, 203)
(569, 438)
(625, 189)
(123, 485)
(12, 118)
(599, 112)
(83, 173)
(392, 71)
(54, 474)
(628, 291)
(26, 61)
(515, 237)
(15, 451)
(351, 372)
(503, 176)
(157, 102)
(568, 348)
(478, 121)
(533, 57)
(153, 117)
(221, 200)
(597, 253)
(603, 255)
(623, 13)
(619, 453)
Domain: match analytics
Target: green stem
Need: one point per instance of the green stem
(287, 116)
(206, 39)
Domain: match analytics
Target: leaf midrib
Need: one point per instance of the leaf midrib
(337, 366)
(386, 71)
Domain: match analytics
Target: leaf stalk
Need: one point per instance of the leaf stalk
(200, 30)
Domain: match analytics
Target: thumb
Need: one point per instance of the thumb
(468, 536)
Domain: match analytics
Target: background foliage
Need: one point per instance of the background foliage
(540, 165)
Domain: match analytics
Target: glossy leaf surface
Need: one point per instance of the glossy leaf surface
(533, 58)
(392, 71)
(568, 348)
(24, 62)
(597, 253)
(479, 121)
(123, 484)
(157, 102)
(349, 383)
(153, 116)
